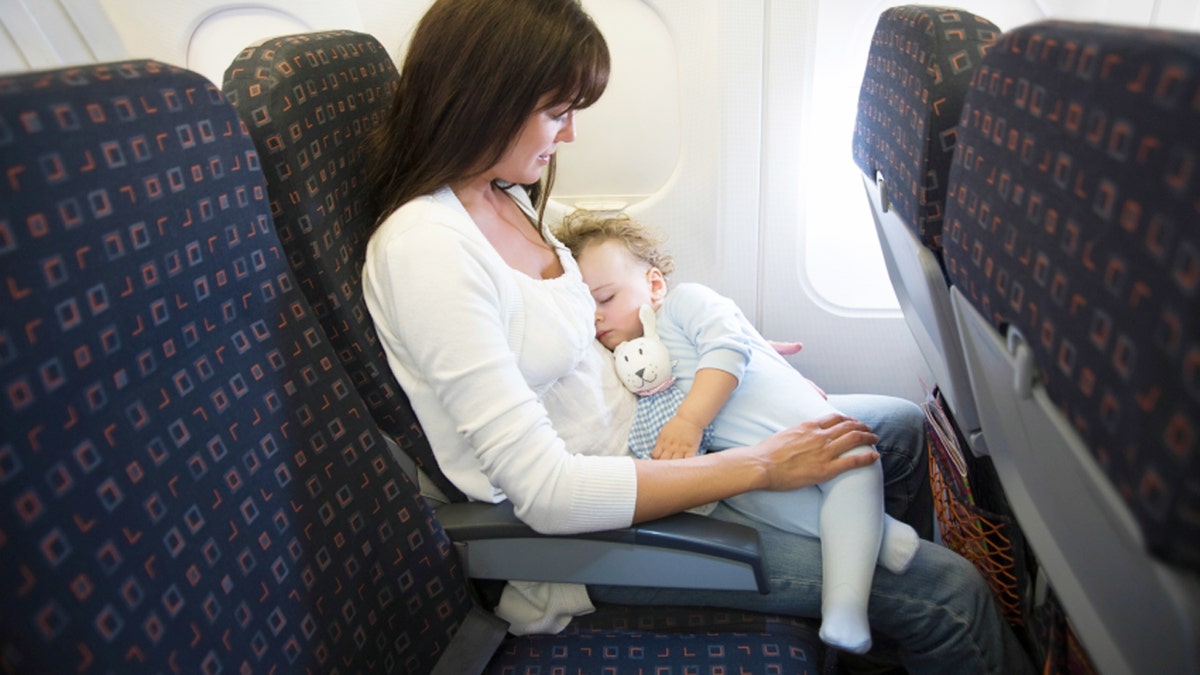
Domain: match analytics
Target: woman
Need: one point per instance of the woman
(489, 329)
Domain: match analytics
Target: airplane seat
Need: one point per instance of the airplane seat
(310, 102)
(918, 67)
(1071, 242)
(190, 479)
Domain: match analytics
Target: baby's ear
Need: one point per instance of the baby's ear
(658, 284)
(649, 325)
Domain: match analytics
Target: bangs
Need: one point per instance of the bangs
(583, 75)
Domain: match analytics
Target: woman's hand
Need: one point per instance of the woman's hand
(813, 452)
(804, 455)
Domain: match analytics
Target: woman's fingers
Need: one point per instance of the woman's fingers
(814, 452)
(849, 435)
(842, 429)
(844, 463)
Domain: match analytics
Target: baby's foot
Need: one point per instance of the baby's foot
(897, 546)
(845, 627)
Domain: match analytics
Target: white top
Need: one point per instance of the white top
(517, 398)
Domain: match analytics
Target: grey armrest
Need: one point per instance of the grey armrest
(681, 551)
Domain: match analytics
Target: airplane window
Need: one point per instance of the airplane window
(628, 142)
(219, 38)
(631, 137)
(844, 261)
(206, 35)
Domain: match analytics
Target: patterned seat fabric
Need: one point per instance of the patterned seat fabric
(188, 480)
(310, 102)
(668, 640)
(920, 62)
(1073, 219)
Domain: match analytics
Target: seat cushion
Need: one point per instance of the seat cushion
(663, 639)
(920, 62)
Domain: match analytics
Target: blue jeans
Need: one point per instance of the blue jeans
(940, 613)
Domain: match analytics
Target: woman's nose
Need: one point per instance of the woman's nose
(567, 133)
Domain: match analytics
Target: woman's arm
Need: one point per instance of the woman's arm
(433, 290)
(801, 456)
(440, 299)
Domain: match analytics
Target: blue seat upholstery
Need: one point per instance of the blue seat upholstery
(920, 63)
(644, 639)
(309, 102)
(189, 479)
(1071, 241)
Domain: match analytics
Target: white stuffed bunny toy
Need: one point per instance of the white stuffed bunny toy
(644, 366)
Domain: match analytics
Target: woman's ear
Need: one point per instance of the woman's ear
(658, 285)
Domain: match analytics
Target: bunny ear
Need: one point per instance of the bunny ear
(646, 314)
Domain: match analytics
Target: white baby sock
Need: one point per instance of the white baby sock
(897, 546)
(844, 620)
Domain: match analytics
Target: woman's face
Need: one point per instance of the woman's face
(543, 130)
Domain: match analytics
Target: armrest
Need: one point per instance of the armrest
(681, 551)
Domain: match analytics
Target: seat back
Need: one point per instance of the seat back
(918, 69)
(1072, 245)
(310, 101)
(190, 481)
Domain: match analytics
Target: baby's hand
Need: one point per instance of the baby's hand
(678, 439)
(786, 348)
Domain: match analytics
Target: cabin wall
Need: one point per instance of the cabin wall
(727, 124)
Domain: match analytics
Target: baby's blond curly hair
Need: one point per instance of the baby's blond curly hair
(583, 228)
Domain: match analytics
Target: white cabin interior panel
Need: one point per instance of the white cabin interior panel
(727, 123)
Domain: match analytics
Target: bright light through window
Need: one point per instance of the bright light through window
(843, 258)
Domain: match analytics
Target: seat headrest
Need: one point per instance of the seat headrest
(920, 63)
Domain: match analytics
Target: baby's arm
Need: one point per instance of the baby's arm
(680, 436)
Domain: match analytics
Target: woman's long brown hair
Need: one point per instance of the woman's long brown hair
(474, 72)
